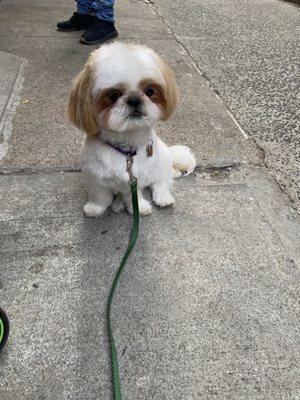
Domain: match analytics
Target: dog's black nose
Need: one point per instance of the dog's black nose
(134, 101)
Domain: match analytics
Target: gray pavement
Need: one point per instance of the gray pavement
(249, 52)
(207, 308)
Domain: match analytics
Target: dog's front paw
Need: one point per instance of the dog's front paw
(93, 210)
(163, 198)
(145, 207)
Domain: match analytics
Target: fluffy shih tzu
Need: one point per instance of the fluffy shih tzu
(116, 100)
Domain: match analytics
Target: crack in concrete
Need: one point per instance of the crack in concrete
(37, 169)
(218, 168)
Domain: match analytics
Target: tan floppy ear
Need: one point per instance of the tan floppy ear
(171, 92)
(81, 108)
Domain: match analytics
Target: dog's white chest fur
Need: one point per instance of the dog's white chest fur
(105, 166)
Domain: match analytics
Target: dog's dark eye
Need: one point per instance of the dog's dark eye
(149, 91)
(114, 94)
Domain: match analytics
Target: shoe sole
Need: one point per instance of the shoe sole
(71, 29)
(104, 39)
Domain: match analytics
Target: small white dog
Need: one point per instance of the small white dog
(116, 99)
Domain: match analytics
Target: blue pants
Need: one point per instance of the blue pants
(103, 9)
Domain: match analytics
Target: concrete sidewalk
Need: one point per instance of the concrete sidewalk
(207, 307)
(248, 50)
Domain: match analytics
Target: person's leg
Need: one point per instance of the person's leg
(84, 6)
(103, 27)
(80, 19)
(103, 9)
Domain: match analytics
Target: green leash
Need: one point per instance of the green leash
(4, 328)
(133, 237)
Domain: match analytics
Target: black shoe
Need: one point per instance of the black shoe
(99, 31)
(75, 23)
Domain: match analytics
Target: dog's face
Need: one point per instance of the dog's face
(122, 88)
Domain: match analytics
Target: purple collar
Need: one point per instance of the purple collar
(127, 151)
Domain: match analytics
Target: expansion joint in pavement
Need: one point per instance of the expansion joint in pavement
(37, 169)
(53, 169)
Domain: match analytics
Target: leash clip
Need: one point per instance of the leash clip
(129, 164)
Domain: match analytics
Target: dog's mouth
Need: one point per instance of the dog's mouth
(136, 115)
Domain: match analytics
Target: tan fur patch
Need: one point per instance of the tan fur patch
(81, 108)
(158, 96)
(181, 167)
(104, 103)
(171, 92)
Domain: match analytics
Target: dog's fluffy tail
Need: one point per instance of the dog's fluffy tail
(183, 160)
